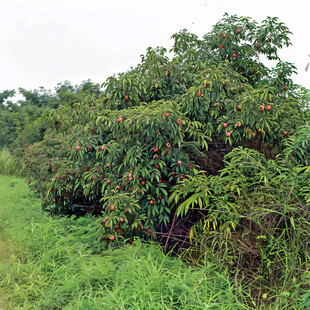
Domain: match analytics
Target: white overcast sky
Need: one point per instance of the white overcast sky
(44, 42)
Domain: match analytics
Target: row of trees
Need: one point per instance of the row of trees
(207, 151)
(24, 119)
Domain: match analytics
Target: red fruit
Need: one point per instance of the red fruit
(68, 149)
(78, 148)
(151, 202)
(234, 55)
(268, 107)
(157, 156)
(98, 170)
(102, 148)
(166, 114)
(54, 199)
(126, 97)
(198, 93)
(285, 87)
(53, 170)
(130, 179)
(221, 46)
(179, 121)
(239, 107)
(112, 208)
(228, 134)
(255, 44)
(168, 145)
(157, 166)
(173, 173)
(284, 132)
(108, 181)
(238, 30)
(179, 163)
(119, 119)
(57, 177)
(261, 108)
(155, 149)
(244, 88)
(225, 125)
(223, 35)
(269, 40)
(182, 176)
(107, 165)
(118, 187)
(112, 238)
(85, 169)
(62, 148)
(143, 182)
(121, 219)
(130, 175)
(239, 124)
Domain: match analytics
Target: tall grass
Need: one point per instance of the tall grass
(11, 165)
(58, 263)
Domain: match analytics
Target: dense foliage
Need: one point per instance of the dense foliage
(24, 121)
(207, 151)
(48, 269)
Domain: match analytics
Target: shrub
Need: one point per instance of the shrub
(11, 165)
(113, 150)
(254, 217)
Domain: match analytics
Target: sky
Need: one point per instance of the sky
(45, 42)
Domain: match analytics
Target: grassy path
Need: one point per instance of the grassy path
(59, 263)
(4, 260)
(6, 193)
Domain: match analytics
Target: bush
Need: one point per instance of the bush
(254, 218)
(11, 165)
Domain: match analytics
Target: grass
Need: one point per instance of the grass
(10, 165)
(57, 263)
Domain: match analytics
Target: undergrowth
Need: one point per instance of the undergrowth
(57, 263)
(11, 165)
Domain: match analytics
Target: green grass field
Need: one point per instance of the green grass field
(57, 263)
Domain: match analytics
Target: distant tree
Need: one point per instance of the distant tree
(5, 95)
